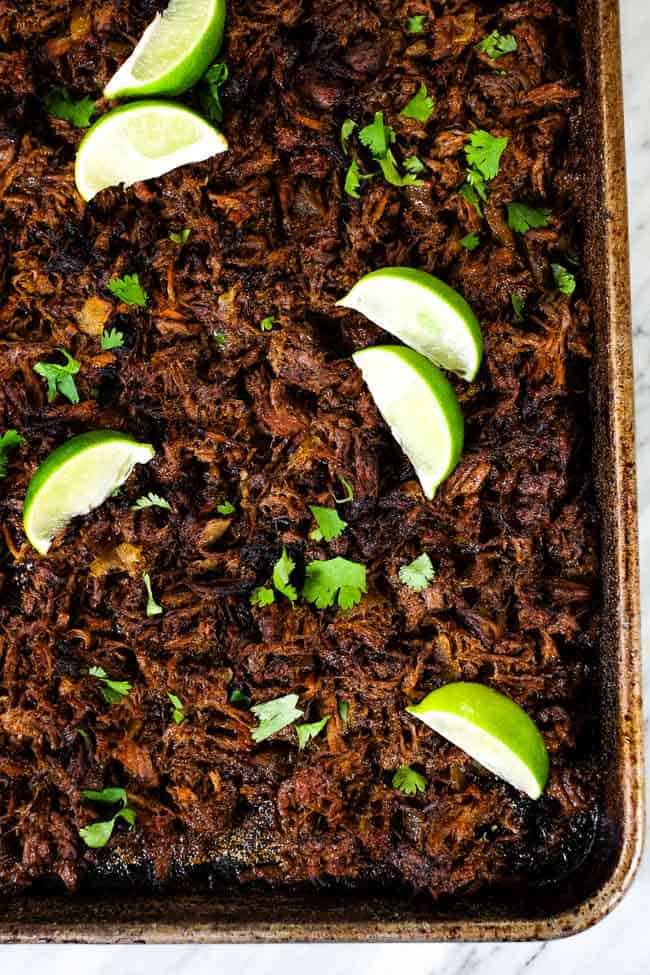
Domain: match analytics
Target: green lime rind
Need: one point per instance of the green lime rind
(420, 406)
(424, 313)
(142, 140)
(492, 729)
(140, 76)
(69, 483)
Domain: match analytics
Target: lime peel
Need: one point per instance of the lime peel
(492, 729)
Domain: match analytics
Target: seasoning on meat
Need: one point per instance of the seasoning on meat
(272, 420)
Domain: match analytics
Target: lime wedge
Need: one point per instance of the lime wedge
(419, 406)
(492, 729)
(423, 312)
(77, 477)
(174, 51)
(142, 141)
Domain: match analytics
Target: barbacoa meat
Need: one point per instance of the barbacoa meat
(268, 421)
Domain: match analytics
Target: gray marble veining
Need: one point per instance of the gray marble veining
(621, 943)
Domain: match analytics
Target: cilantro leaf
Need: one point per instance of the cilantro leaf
(97, 835)
(564, 280)
(152, 609)
(344, 710)
(348, 127)
(181, 237)
(151, 500)
(238, 696)
(484, 152)
(225, 508)
(110, 795)
(275, 715)
(113, 690)
(352, 180)
(414, 165)
(417, 574)
(262, 596)
(9, 440)
(409, 781)
(325, 578)
(330, 525)
(281, 573)
(59, 378)
(420, 107)
(517, 306)
(392, 174)
(219, 338)
(477, 182)
(267, 323)
(306, 732)
(59, 104)
(349, 493)
(522, 217)
(469, 194)
(178, 714)
(112, 339)
(470, 241)
(415, 25)
(495, 45)
(210, 91)
(378, 137)
(129, 290)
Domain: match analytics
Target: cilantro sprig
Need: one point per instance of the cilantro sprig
(275, 715)
(377, 138)
(129, 290)
(60, 104)
(522, 217)
(484, 151)
(210, 91)
(60, 378)
(151, 500)
(112, 339)
(495, 45)
(565, 282)
(407, 780)
(470, 241)
(330, 581)
(9, 441)
(420, 107)
(178, 714)
(418, 574)
(113, 691)
(98, 834)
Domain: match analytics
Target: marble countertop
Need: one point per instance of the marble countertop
(622, 941)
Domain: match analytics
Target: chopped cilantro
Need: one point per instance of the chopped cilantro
(59, 378)
(275, 715)
(267, 323)
(330, 525)
(477, 183)
(420, 107)
(414, 165)
(325, 578)
(344, 710)
(129, 290)
(9, 440)
(409, 781)
(378, 137)
(59, 104)
(495, 45)
(517, 306)
(349, 493)
(238, 696)
(181, 237)
(219, 338)
(565, 282)
(352, 180)
(152, 609)
(484, 152)
(225, 508)
(392, 174)
(281, 573)
(470, 241)
(262, 596)
(417, 574)
(469, 194)
(178, 714)
(415, 25)
(97, 835)
(522, 217)
(306, 732)
(113, 690)
(112, 339)
(209, 92)
(347, 129)
(151, 500)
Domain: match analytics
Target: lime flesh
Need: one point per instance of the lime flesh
(419, 405)
(492, 729)
(142, 141)
(423, 312)
(76, 478)
(174, 51)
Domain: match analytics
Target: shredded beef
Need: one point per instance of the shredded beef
(268, 421)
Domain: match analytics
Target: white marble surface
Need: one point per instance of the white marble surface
(621, 943)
